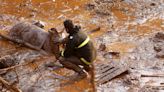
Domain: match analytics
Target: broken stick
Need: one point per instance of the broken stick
(94, 30)
(155, 75)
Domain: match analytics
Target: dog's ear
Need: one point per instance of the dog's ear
(53, 31)
(39, 24)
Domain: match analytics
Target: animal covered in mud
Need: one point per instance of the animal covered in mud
(36, 36)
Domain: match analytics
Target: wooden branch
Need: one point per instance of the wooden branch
(24, 43)
(154, 75)
(162, 83)
(94, 30)
(9, 86)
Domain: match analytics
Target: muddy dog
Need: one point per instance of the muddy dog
(36, 36)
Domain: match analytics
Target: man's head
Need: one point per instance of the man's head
(68, 26)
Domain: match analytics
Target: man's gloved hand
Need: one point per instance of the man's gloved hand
(60, 40)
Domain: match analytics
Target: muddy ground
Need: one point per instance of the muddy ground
(131, 28)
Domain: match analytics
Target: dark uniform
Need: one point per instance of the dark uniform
(79, 50)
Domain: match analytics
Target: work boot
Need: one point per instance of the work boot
(87, 68)
(81, 75)
(53, 65)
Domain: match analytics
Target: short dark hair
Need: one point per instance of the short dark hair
(70, 27)
(68, 24)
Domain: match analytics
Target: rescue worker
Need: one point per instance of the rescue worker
(79, 50)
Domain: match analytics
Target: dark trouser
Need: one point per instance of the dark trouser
(73, 63)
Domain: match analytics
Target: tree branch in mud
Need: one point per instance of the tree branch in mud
(94, 30)
(24, 43)
(153, 75)
(9, 86)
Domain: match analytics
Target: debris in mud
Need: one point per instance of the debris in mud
(6, 85)
(159, 44)
(131, 81)
(147, 89)
(160, 55)
(7, 61)
(90, 6)
(112, 55)
(106, 72)
(159, 37)
(103, 7)
(157, 49)
(27, 66)
(102, 47)
(154, 75)
(153, 4)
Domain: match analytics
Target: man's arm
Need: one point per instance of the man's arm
(70, 46)
(60, 40)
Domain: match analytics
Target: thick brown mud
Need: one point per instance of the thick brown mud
(128, 27)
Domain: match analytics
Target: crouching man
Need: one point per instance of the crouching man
(79, 50)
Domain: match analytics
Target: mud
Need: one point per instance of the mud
(158, 44)
(29, 72)
(133, 25)
(128, 27)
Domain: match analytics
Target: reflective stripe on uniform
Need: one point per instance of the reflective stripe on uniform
(85, 61)
(62, 53)
(81, 45)
(84, 42)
